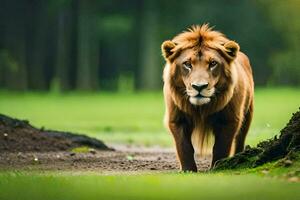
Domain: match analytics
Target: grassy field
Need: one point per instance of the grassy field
(137, 119)
(134, 118)
(257, 184)
(163, 186)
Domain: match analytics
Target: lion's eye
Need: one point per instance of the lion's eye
(213, 64)
(187, 65)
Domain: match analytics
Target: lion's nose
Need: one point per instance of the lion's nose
(199, 86)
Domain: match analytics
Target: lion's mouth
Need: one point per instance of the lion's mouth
(201, 96)
(199, 100)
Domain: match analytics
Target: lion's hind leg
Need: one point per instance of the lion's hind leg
(241, 136)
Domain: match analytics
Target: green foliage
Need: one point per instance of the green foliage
(285, 61)
(7, 61)
(115, 24)
(88, 45)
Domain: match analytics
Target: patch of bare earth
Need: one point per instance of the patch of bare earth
(101, 161)
(25, 147)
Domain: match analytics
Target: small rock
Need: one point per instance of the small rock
(92, 151)
(72, 154)
(35, 159)
(287, 163)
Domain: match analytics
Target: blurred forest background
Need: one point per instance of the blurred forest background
(115, 44)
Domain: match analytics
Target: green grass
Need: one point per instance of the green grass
(156, 186)
(135, 118)
(265, 182)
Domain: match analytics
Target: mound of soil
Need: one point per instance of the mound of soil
(19, 136)
(287, 146)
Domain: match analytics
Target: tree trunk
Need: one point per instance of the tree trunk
(36, 68)
(149, 70)
(63, 53)
(87, 49)
(13, 55)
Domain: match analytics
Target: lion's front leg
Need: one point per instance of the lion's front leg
(185, 151)
(224, 135)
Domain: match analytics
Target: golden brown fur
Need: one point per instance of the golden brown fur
(208, 88)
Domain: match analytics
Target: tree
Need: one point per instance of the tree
(149, 72)
(87, 46)
(66, 44)
(13, 53)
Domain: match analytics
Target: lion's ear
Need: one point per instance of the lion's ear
(231, 49)
(166, 48)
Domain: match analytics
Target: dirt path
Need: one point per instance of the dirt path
(123, 160)
(22, 146)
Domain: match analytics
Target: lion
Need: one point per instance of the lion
(208, 90)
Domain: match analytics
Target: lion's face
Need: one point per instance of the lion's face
(200, 72)
(199, 62)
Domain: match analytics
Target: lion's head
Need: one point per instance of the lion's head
(200, 63)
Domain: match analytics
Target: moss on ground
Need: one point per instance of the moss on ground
(284, 150)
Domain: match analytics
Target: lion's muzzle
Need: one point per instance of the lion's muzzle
(200, 94)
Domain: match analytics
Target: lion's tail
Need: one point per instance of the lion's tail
(202, 140)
